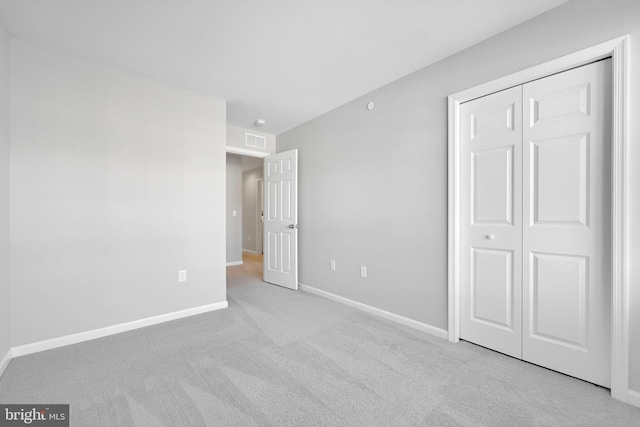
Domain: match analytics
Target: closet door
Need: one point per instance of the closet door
(567, 222)
(491, 216)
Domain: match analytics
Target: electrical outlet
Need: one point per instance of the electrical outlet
(234, 213)
(333, 265)
(182, 275)
(363, 271)
(248, 237)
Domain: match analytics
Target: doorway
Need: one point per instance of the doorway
(243, 238)
(252, 177)
(278, 214)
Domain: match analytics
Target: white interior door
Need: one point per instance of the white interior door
(567, 225)
(536, 222)
(491, 222)
(281, 219)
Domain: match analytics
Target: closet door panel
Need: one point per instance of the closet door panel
(567, 224)
(491, 209)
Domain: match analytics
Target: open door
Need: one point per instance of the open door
(281, 219)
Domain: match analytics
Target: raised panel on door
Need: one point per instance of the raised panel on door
(272, 201)
(567, 225)
(280, 222)
(492, 200)
(560, 198)
(285, 190)
(559, 299)
(492, 288)
(272, 255)
(491, 212)
(572, 102)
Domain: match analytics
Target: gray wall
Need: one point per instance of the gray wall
(249, 218)
(373, 184)
(117, 182)
(234, 202)
(4, 193)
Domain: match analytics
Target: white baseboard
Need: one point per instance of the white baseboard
(249, 250)
(232, 263)
(423, 327)
(634, 398)
(5, 361)
(112, 330)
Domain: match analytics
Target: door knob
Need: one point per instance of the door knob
(293, 225)
(490, 237)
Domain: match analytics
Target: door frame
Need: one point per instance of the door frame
(260, 210)
(618, 50)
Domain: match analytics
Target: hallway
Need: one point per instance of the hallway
(251, 266)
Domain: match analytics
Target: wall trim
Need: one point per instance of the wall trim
(249, 251)
(634, 398)
(423, 327)
(5, 361)
(618, 50)
(232, 263)
(63, 341)
(246, 152)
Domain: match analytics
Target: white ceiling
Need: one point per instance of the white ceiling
(284, 61)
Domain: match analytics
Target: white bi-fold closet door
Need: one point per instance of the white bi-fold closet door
(536, 222)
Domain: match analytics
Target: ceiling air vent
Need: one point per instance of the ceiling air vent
(255, 141)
